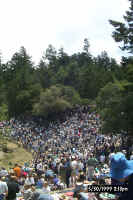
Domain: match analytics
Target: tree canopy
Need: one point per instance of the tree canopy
(60, 81)
(115, 99)
(124, 31)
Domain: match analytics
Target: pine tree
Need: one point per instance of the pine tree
(124, 31)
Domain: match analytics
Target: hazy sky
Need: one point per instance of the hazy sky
(35, 24)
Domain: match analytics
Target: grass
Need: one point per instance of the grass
(18, 155)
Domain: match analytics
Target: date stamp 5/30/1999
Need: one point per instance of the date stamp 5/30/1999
(106, 188)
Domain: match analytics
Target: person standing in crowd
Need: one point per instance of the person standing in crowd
(3, 189)
(17, 170)
(73, 173)
(3, 172)
(68, 172)
(13, 188)
(102, 158)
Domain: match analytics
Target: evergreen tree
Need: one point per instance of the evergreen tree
(124, 31)
(86, 46)
(21, 85)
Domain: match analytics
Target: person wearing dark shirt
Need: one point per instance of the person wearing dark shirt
(13, 188)
(121, 170)
(68, 172)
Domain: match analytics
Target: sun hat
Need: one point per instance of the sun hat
(120, 167)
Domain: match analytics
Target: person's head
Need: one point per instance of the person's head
(120, 167)
(82, 176)
(45, 184)
(33, 188)
(13, 178)
(26, 186)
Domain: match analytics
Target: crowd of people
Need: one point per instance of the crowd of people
(67, 153)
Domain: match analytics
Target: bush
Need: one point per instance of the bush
(55, 100)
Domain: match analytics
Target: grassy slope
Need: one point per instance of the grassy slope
(19, 155)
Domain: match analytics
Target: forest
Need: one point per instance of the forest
(60, 82)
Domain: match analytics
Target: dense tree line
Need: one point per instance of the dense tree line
(57, 79)
(61, 81)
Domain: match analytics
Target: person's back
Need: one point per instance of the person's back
(74, 164)
(3, 172)
(13, 188)
(17, 170)
(3, 189)
(80, 165)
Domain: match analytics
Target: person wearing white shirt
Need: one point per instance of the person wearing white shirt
(39, 166)
(30, 180)
(74, 168)
(3, 172)
(3, 189)
(80, 165)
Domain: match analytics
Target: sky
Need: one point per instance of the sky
(35, 24)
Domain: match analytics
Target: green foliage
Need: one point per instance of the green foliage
(85, 101)
(124, 31)
(109, 106)
(121, 113)
(50, 54)
(86, 46)
(57, 83)
(115, 104)
(70, 95)
(108, 95)
(3, 112)
(21, 88)
(56, 99)
(130, 72)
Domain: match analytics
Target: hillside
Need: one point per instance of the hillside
(14, 155)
